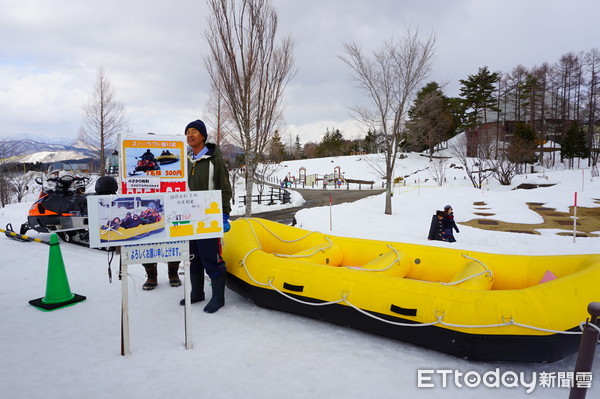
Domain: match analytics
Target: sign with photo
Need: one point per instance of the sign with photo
(151, 163)
(125, 219)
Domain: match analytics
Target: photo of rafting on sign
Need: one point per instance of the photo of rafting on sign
(130, 219)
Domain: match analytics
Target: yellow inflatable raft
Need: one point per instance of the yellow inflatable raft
(121, 234)
(470, 304)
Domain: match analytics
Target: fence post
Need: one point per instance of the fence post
(587, 350)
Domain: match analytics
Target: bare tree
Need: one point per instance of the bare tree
(437, 170)
(250, 72)
(592, 63)
(264, 172)
(504, 169)
(20, 184)
(5, 190)
(6, 158)
(103, 120)
(218, 118)
(390, 79)
(478, 168)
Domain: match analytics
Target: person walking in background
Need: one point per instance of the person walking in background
(207, 171)
(436, 230)
(449, 224)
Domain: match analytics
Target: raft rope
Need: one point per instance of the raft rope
(344, 298)
(392, 263)
(328, 245)
(486, 271)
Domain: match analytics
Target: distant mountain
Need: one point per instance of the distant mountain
(32, 151)
(35, 151)
(40, 138)
(231, 152)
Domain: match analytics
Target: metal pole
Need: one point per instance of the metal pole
(587, 350)
(125, 349)
(187, 301)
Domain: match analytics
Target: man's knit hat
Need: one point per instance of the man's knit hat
(198, 125)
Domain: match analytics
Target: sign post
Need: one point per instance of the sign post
(154, 216)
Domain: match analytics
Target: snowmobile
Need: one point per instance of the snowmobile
(145, 163)
(63, 209)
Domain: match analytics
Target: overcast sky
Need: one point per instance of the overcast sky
(153, 53)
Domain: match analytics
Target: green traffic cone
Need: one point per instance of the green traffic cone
(58, 292)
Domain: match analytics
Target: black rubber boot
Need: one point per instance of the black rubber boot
(218, 295)
(152, 274)
(174, 274)
(197, 294)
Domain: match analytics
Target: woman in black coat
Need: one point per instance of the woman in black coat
(436, 229)
(449, 225)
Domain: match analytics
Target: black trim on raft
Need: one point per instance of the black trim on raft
(512, 348)
(291, 287)
(403, 311)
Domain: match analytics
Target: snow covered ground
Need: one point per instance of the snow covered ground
(248, 352)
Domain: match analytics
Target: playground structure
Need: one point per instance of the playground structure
(335, 180)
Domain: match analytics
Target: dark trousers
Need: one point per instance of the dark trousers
(206, 255)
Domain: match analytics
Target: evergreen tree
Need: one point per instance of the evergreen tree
(430, 121)
(297, 148)
(574, 145)
(478, 95)
(276, 148)
(332, 143)
(373, 142)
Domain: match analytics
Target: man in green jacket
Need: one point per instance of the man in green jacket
(207, 171)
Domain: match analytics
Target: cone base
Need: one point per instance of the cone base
(52, 306)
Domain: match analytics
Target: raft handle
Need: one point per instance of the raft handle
(403, 311)
(291, 287)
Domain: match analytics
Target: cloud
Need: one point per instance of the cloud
(153, 54)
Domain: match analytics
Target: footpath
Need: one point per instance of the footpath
(315, 198)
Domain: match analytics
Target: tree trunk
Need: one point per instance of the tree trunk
(249, 189)
(388, 194)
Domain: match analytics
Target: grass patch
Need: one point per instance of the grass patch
(588, 221)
